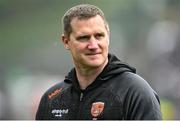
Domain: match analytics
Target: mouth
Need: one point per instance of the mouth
(89, 54)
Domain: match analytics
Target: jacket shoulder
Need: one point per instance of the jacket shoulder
(55, 90)
(137, 97)
(48, 96)
(132, 81)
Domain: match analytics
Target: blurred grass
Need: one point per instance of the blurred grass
(167, 109)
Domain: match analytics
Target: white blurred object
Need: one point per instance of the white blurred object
(161, 43)
(162, 38)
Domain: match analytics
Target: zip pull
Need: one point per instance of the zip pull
(81, 96)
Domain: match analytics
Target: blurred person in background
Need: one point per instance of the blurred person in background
(100, 86)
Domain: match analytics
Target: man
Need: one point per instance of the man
(100, 86)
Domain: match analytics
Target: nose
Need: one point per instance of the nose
(93, 43)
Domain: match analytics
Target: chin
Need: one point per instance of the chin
(95, 63)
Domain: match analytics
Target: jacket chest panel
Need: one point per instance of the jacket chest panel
(96, 104)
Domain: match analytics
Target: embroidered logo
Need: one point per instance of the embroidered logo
(97, 108)
(59, 112)
(57, 91)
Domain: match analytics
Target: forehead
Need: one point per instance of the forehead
(93, 23)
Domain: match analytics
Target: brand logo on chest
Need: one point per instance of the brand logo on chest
(59, 112)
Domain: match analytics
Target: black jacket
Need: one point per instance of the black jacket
(117, 93)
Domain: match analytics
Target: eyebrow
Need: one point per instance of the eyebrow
(86, 36)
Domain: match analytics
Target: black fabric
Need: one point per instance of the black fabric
(125, 95)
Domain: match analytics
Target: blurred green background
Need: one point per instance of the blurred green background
(144, 33)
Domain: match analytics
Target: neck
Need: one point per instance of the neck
(86, 76)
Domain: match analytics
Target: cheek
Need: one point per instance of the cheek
(77, 48)
(105, 45)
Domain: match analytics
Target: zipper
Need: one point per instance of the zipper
(81, 96)
(81, 105)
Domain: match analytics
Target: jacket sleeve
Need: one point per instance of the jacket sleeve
(44, 105)
(141, 101)
(41, 112)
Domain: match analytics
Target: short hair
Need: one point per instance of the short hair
(82, 11)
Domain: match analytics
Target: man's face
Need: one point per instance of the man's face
(88, 42)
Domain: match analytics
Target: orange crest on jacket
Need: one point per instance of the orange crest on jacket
(97, 108)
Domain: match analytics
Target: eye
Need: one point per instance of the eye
(99, 36)
(83, 38)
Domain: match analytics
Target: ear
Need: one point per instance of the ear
(65, 41)
(108, 32)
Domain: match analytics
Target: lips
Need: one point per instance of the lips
(93, 56)
(93, 53)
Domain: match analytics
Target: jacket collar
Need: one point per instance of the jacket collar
(113, 67)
